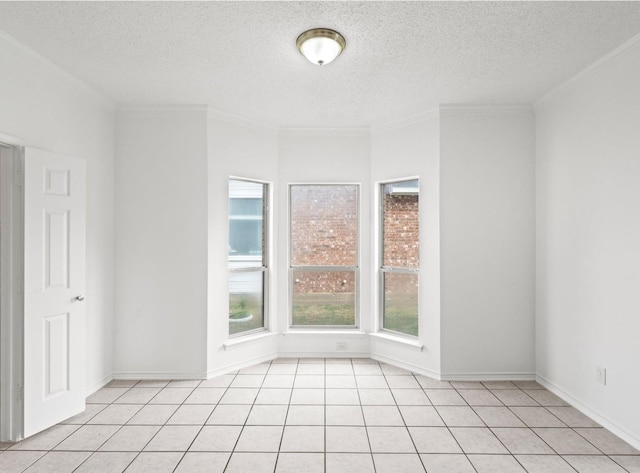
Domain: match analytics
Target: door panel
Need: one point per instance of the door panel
(54, 278)
(56, 251)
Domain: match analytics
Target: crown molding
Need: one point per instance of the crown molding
(10, 140)
(485, 109)
(333, 131)
(564, 88)
(420, 117)
(240, 121)
(157, 111)
(47, 66)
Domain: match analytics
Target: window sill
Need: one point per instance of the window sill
(249, 339)
(327, 332)
(407, 342)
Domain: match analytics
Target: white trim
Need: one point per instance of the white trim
(406, 342)
(628, 437)
(46, 65)
(242, 364)
(249, 179)
(562, 89)
(240, 121)
(416, 118)
(376, 257)
(159, 375)
(323, 354)
(251, 339)
(406, 366)
(394, 180)
(302, 332)
(102, 382)
(353, 131)
(485, 109)
(11, 317)
(266, 260)
(290, 328)
(324, 183)
(168, 375)
(10, 140)
(489, 376)
(377, 242)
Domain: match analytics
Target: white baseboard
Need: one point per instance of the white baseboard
(98, 384)
(323, 354)
(489, 376)
(238, 366)
(406, 366)
(589, 412)
(163, 375)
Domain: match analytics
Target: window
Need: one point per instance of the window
(399, 256)
(248, 272)
(324, 255)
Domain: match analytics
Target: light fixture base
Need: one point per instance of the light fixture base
(321, 45)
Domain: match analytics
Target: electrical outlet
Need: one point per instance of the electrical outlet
(601, 375)
(341, 346)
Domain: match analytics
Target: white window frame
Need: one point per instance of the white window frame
(264, 266)
(382, 269)
(319, 268)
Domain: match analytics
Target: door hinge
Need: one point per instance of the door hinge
(20, 393)
(19, 178)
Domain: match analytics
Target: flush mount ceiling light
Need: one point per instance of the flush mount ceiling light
(321, 45)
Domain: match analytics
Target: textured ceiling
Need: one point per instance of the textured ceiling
(401, 57)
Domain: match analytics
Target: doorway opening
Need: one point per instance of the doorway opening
(11, 244)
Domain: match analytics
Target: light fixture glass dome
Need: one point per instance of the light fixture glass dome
(321, 45)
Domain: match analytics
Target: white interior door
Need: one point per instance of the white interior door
(54, 282)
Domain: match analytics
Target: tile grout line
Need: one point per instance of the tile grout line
(402, 417)
(121, 426)
(203, 425)
(537, 405)
(91, 453)
(235, 445)
(516, 388)
(473, 406)
(286, 416)
(148, 403)
(435, 408)
(364, 420)
(325, 416)
(79, 427)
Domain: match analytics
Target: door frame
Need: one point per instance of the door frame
(12, 288)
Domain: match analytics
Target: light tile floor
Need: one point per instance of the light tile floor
(323, 416)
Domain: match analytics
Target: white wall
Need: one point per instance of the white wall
(404, 150)
(487, 243)
(324, 156)
(240, 149)
(161, 243)
(588, 234)
(47, 109)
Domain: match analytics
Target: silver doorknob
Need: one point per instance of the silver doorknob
(80, 298)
